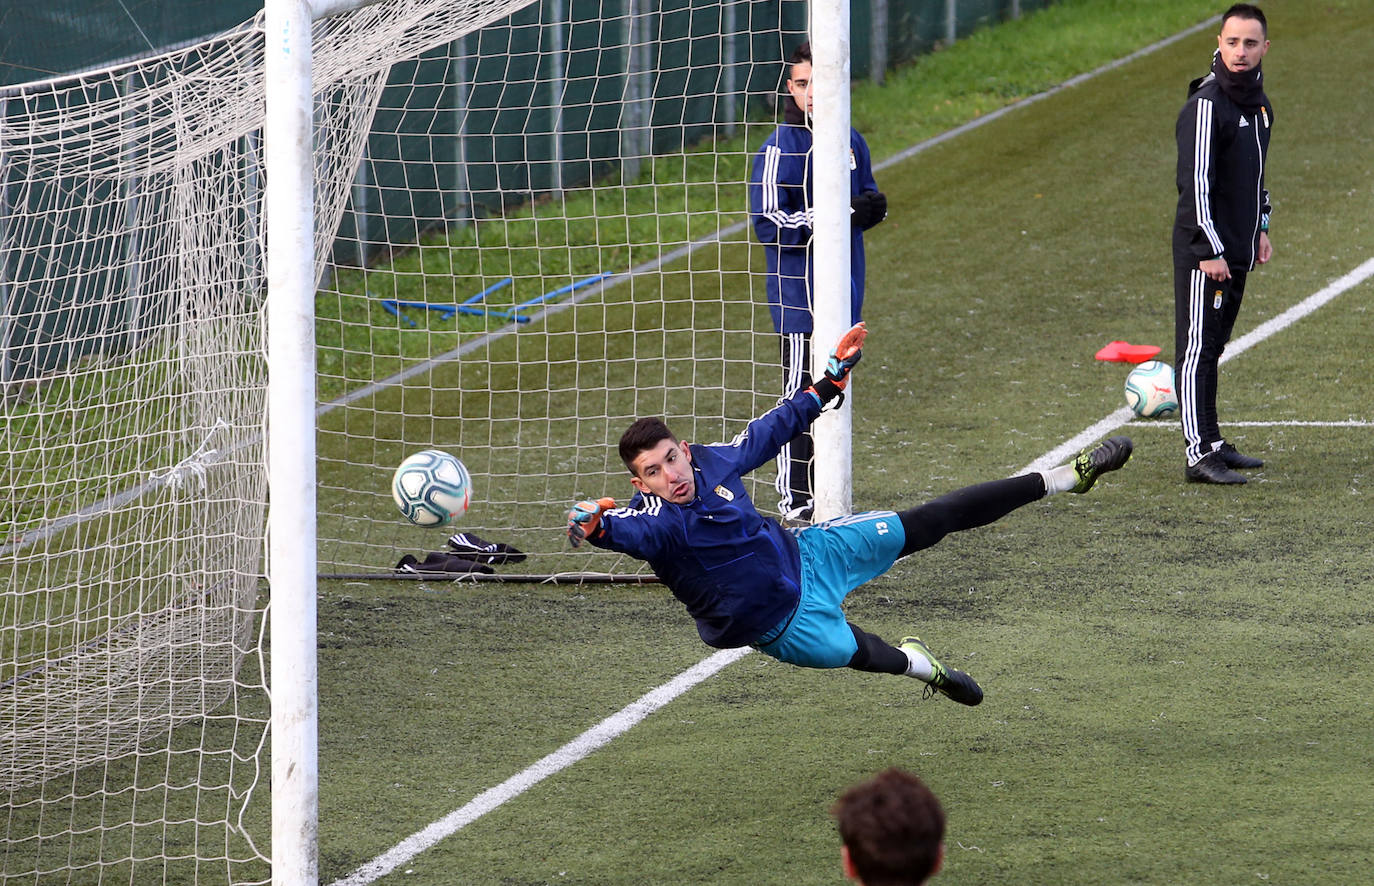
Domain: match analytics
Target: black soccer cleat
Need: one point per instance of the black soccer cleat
(1109, 455)
(1234, 458)
(949, 682)
(1211, 468)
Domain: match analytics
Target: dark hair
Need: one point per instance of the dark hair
(801, 54)
(643, 434)
(1246, 10)
(893, 827)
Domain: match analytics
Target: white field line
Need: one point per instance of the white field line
(1039, 96)
(1063, 451)
(570, 753)
(1173, 425)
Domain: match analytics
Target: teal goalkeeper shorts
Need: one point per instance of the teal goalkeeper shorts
(837, 556)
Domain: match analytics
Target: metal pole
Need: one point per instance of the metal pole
(830, 160)
(877, 66)
(6, 309)
(133, 245)
(729, 61)
(362, 211)
(287, 139)
(463, 208)
(557, 89)
(635, 134)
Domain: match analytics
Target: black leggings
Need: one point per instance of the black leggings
(926, 524)
(967, 508)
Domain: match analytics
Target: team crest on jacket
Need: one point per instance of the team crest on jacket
(724, 493)
(853, 163)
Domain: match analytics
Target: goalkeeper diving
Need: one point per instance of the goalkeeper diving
(749, 582)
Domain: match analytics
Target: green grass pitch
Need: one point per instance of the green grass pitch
(1177, 677)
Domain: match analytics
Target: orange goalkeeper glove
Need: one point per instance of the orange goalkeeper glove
(846, 355)
(584, 519)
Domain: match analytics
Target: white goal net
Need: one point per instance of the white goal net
(547, 238)
(531, 229)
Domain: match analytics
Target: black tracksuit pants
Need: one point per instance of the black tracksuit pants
(1204, 314)
(795, 471)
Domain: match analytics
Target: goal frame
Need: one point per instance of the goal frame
(291, 521)
(291, 451)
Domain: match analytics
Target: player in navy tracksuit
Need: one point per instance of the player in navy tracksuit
(780, 204)
(1220, 230)
(749, 582)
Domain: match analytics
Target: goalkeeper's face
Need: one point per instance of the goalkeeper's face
(799, 85)
(665, 471)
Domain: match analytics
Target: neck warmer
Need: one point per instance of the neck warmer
(1245, 88)
(792, 112)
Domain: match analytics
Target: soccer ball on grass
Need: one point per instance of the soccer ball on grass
(1150, 390)
(432, 488)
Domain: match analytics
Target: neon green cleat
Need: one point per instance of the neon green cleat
(950, 682)
(1109, 455)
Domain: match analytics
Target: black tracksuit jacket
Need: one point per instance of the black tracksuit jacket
(1221, 194)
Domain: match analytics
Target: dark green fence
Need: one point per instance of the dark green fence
(563, 93)
(49, 38)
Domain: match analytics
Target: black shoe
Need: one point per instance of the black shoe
(1234, 458)
(949, 682)
(1212, 469)
(1109, 455)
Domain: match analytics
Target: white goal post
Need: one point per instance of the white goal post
(830, 70)
(288, 161)
(244, 278)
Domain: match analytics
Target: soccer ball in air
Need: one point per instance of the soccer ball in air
(432, 488)
(1150, 390)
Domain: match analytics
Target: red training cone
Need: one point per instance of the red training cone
(1125, 352)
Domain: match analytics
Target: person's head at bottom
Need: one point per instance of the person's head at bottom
(892, 830)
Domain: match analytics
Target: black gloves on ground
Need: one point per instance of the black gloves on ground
(468, 545)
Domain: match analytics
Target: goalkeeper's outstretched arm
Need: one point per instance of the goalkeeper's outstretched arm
(767, 434)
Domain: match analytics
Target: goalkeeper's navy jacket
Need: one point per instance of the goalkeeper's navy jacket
(782, 210)
(737, 572)
(1221, 196)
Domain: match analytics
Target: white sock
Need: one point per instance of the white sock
(919, 666)
(1060, 479)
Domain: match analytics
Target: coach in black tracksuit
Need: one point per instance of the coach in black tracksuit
(1220, 230)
